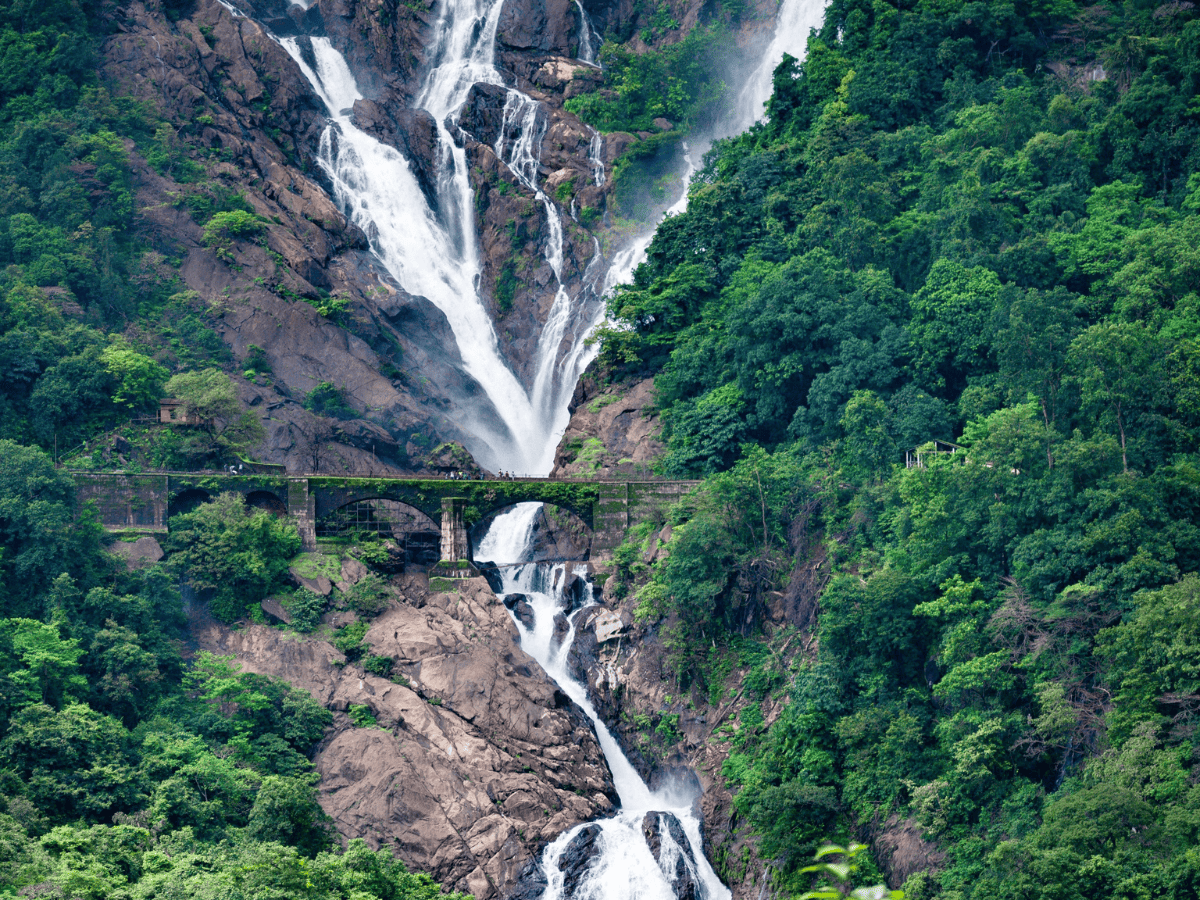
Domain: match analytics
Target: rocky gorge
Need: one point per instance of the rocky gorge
(239, 106)
(474, 761)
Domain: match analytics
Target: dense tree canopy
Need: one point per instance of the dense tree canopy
(947, 240)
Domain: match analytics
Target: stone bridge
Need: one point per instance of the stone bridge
(144, 503)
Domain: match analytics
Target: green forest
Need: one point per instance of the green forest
(124, 772)
(931, 335)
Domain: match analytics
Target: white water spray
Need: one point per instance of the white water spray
(795, 20)
(624, 867)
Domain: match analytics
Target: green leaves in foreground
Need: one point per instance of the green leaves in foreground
(838, 877)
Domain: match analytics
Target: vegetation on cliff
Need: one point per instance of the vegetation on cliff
(125, 773)
(965, 239)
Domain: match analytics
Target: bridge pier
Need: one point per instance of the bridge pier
(302, 506)
(454, 529)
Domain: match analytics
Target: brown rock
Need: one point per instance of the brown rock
(274, 608)
(549, 25)
(139, 554)
(473, 767)
(618, 417)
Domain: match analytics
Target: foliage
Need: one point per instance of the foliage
(239, 553)
(211, 396)
(326, 399)
(369, 597)
(305, 607)
(680, 82)
(938, 253)
(234, 223)
(840, 873)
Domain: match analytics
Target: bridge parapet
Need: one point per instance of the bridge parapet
(129, 502)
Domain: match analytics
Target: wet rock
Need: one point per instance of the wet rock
(411, 131)
(577, 857)
(532, 883)
(561, 628)
(577, 590)
(667, 841)
(482, 115)
(550, 25)
(519, 604)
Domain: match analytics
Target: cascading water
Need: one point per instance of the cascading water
(792, 25)
(433, 252)
(587, 44)
(379, 192)
(624, 867)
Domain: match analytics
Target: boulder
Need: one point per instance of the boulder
(139, 554)
(274, 608)
(577, 857)
(667, 841)
(519, 604)
(482, 116)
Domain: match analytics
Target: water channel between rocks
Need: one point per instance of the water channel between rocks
(653, 848)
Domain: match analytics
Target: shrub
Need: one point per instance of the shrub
(240, 553)
(326, 399)
(378, 665)
(233, 223)
(349, 639)
(305, 607)
(369, 597)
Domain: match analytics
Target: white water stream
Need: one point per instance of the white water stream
(624, 867)
(432, 251)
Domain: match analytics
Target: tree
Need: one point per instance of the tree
(952, 324)
(139, 379)
(210, 395)
(240, 553)
(48, 666)
(72, 762)
(39, 533)
(286, 810)
(1116, 368)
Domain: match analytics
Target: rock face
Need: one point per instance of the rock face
(612, 431)
(477, 762)
(577, 857)
(664, 835)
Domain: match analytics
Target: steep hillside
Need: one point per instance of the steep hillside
(931, 333)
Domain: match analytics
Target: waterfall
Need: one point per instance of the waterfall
(378, 191)
(792, 25)
(624, 865)
(790, 35)
(432, 252)
(587, 49)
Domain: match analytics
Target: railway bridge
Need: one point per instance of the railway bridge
(323, 503)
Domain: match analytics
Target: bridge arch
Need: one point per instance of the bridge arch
(267, 501)
(187, 500)
(417, 534)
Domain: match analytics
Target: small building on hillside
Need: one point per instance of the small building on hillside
(917, 457)
(171, 412)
